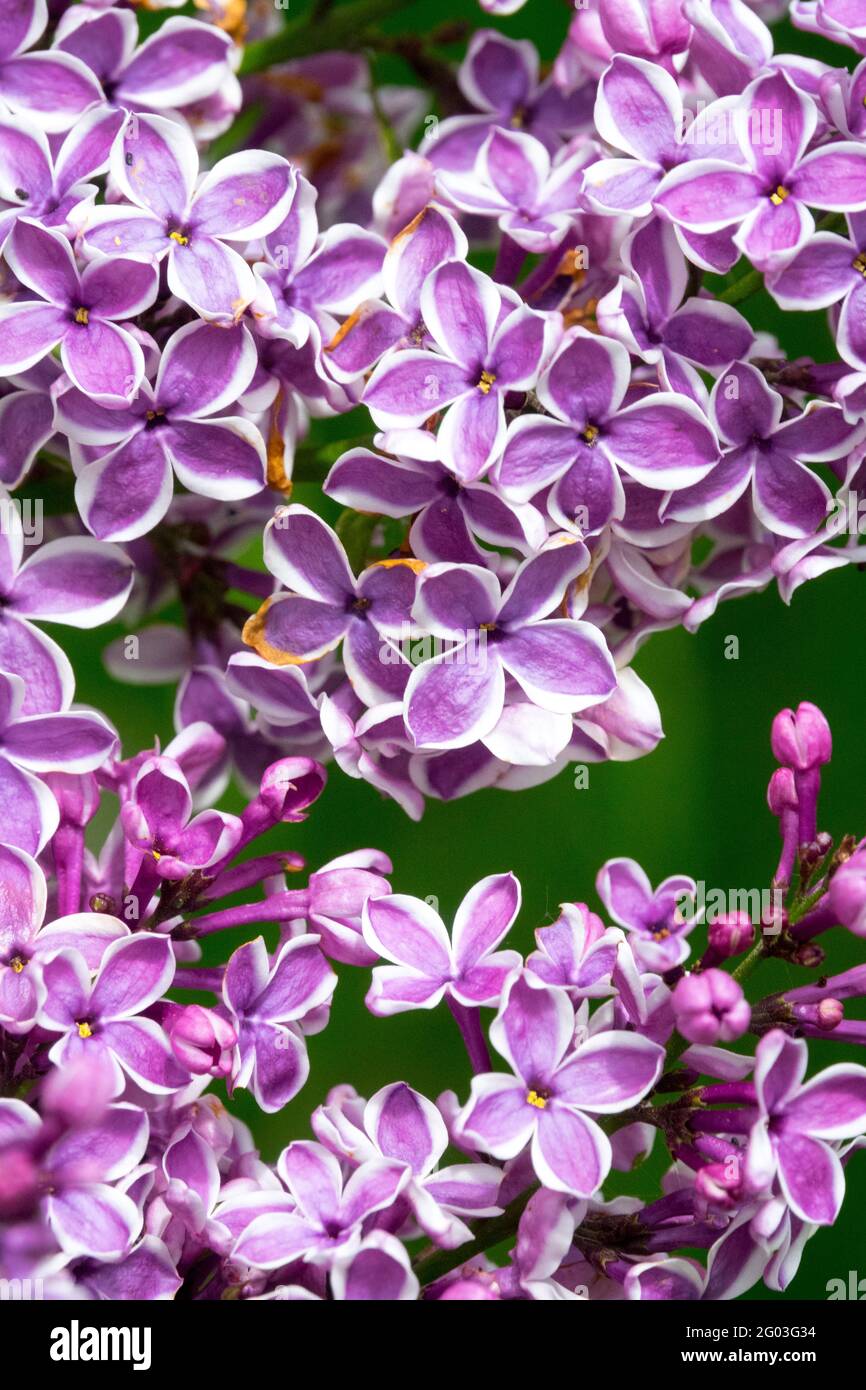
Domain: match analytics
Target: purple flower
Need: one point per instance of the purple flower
(399, 1123)
(328, 605)
(75, 580)
(771, 196)
(500, 78)
(560, 664)
(101, 1017)
(156, 822)
(373, 327)
(310, 281)
(486, 348)
(167, 431)
(647, 313)
(828, 269)
(185, 62)
(378, 1271)
(653, 917)
(545, 1102)
(52, 190)
(534, 198)
(767, 451)
(450, 513)
(329, 1215)
(790, 1136)
(589, 960)
(76, 312)
(267, 1005)
(51, 89)
(155, 165)
(427, 966)
(26, 939)
(662, 441)
(34, 743)
(84, 1212)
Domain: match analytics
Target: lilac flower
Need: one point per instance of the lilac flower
(267, 1006)
(34, 743)
(379, 1271)
(824, 272)
(428, 240)
(767, 451)
(545, 1102)
(561, 665)
(427, 966)
(534, 198)
(77, 313)
(184, 62)
(578, 953)
(53, 191)
(327, 604)
(309, 280)
(83, 1211)
(653, 917)
(500, 78)
(155, 164)
(156, 821)
(647, 313)
(450, 513)
(329, 1217)
(103, 1017)
(770, 197)
(484, 353)
(75, 580)
(399, 1123)
(795, 1122)
(167, 430)
(51, 89)
(663, 441)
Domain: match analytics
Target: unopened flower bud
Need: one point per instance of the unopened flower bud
(730, 934)
(710, 1007)
(801, 739)
(290, 786)
(848, 894)
(202, 1041)
(782, 793)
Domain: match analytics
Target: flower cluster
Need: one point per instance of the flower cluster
(122, 1174)
(548, 459)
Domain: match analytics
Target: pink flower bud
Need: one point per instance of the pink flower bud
(710, 1007)
(730, 934)
(202, 1041)
(801, 740)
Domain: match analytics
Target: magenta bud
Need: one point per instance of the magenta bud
(290, 785)
(827, 1014)
(809, 955)
(730, 934)
(202, 1041)
(801, 740)
(710, 1007)
(77, 796)
(468, 1290)
(848, 894)
(782, 793)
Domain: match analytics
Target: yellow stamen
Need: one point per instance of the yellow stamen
(590, 434)
(85, 1030)
(539, 1101)
(484, 385)
(780, 195)
(859, 263)
(16, 964)
(179, 238)
(81, 315)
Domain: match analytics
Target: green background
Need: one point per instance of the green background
(696, 805)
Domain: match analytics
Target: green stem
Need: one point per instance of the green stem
(433, 1264)
(343, 27)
